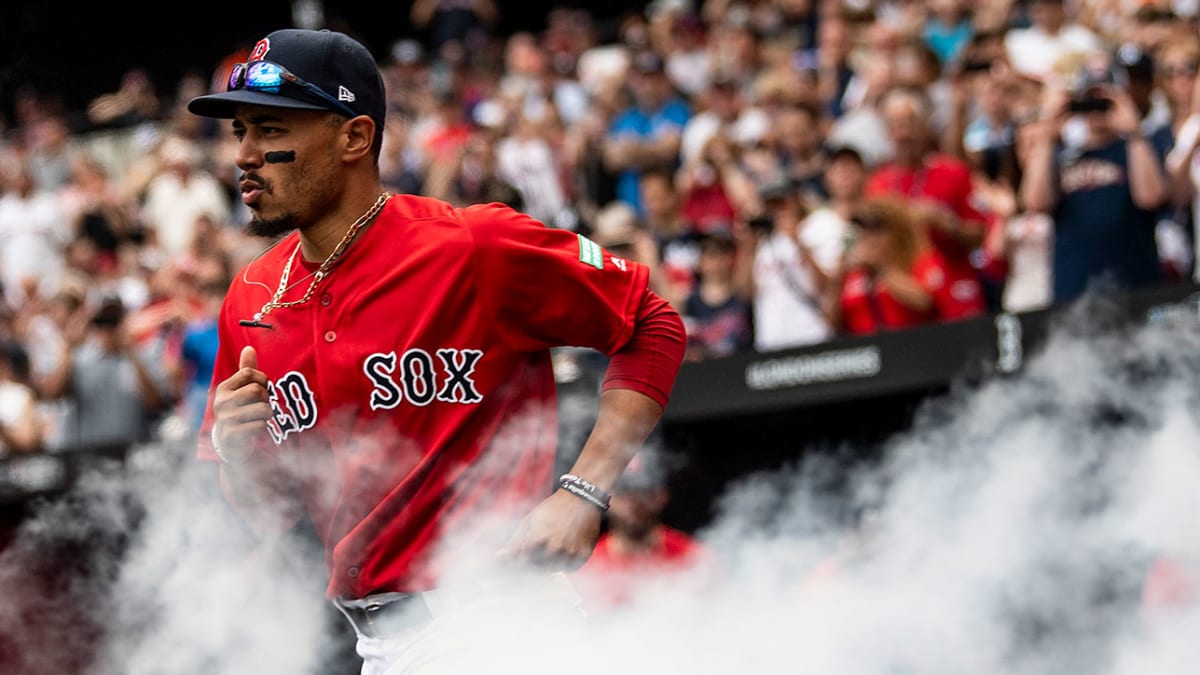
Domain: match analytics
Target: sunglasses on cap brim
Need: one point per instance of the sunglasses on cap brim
(272, 78)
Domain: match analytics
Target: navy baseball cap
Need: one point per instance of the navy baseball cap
(340, 67)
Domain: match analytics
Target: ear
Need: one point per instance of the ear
(360, 133)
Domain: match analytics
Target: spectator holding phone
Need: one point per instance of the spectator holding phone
(1092, 169)
(787, 273)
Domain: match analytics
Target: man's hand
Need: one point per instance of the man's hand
(240, 407)
(1052, 112)
(933, 213)
(558, 533)
(1124, 116)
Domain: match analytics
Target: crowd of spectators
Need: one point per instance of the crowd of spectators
(791, 171)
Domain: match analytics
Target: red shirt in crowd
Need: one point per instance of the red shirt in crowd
(611, 577)
(947, 181)
(707, 206)
(868, 306)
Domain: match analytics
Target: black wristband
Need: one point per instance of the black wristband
(585, 490)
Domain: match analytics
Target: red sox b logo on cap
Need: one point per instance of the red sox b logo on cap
(260, 50)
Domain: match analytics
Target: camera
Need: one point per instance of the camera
(1089, 103)
(1093, 78)
(976, 66)
(762, 224)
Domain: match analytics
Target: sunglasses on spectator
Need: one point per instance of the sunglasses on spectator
(272, 78)
(1188, 69)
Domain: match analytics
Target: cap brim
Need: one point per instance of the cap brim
(225, 105)
(837, 152)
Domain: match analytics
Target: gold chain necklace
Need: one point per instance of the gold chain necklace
(322, 271)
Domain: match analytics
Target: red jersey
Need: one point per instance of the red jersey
(945, 180)
(609, 577)
(868, 306)
(413, 392)
(707, 207)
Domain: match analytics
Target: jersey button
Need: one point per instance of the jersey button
(352, 572)
(326, 299)
(330, 336)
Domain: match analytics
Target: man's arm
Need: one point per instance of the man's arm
(149, 390)
(563, 528)
(1178, 162)
(906, 288)
(1147, 185)
(23, 435)
(1039, 184)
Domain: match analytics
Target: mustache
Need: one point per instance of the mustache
(252, 177)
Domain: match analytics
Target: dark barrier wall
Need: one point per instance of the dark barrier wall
(912, 360)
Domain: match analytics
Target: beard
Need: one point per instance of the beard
(275, 227)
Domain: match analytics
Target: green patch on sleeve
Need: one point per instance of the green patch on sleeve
(590, 253)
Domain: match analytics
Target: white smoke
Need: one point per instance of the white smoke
(1009, 531)
(142, 569)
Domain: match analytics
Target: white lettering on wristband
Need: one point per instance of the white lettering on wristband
(585, 490)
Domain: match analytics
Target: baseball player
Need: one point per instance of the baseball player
(384, 368)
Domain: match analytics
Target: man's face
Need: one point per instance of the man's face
(797, 132)
(904, 124)
(289, 161)
(716, 259)
(650, 89)
(723, 99)
(1047, 14)
(996, 92)
(1177, 72)
(658, 197)
(845, 177)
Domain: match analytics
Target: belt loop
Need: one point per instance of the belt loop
(358, 631)
(378, 615)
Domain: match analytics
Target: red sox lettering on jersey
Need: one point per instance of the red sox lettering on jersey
(293, 406)
(414, 377)
(417, 378)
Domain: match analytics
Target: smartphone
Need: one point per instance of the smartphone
(1089, 105)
